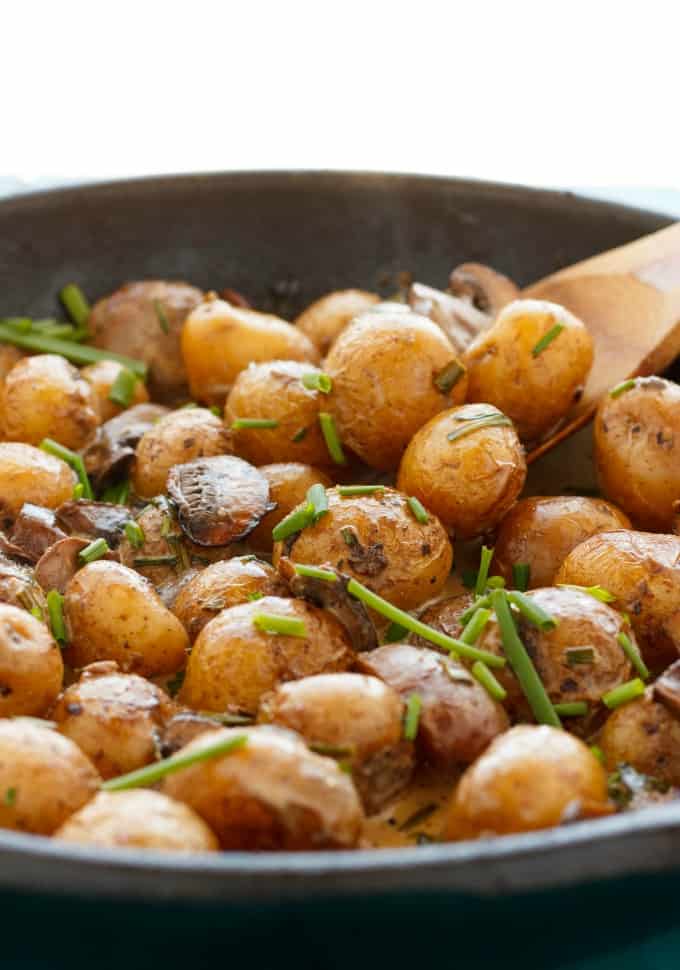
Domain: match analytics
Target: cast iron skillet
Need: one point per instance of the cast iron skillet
(285, 238)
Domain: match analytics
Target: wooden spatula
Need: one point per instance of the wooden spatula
(629, 298)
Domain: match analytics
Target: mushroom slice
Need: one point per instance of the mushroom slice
(35, 529)
(459, 319)
(183, 728)
(94, 520)
(484, 288)
(666, 688)
(60, 563)
(111, 453)
(219, 499)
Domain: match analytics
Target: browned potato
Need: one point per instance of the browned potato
(356, 719)
(220, 340)
(9, 356)
(325, 319)
(543, 531)
(45, 397)
(138, 819)
(391, 373)
(534, 387)
(101, 377)
(646, 735)
(472, 481)
(458, 717)
(377, 540)
(274, 391)
(445, 615)
(144, 320)
(115, 718)
(31, 668)
(635, 451)
(179, 437)
(44, 777)
(112, 613)
(233, 662)
(273, 793)
(221, 585)
(28, 474)
(531, 777)
(289, 483)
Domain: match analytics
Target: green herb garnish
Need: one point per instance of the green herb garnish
(483, 572)
(531, 610)
(55, 612)
(597, 592)
(123, 388)
(183, 759)
(571, 709)
(163, 321)
(633, 654)
(76, 305)
(242, 424)
(412, 717)
(579, 655)
(287, 626)
(349, 490)
(314, 572)
(547, 339)
(623, 693)
(72, 459)
(448, 376)
(483, 675)
(521, 575)
(622, 388)
(317, 381)
(475, 626)
(76, 352)
(418, 510)
(134, 534)
(331, 437)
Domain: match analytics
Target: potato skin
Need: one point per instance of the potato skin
(271, 794)
(45, 397)
(101, 377)
(532, 777)
(325, 319)
(359, 714)
(383, 367)
(113, 613)
(9, 356)
(28, 474)
(645, 735)
(31, 668)
(470, 483)
(220, 340)
(115, 718)
(394, 555)
(289, 483)
(638, 465)
(535, 391)
(48, 775)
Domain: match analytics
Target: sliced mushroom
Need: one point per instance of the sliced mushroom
(183, 728)
(60, 563)
(110, 454)
(235, 298)
(482, 287)
(219, 500)
(18, 587)
(12, 551)
(94, 520)
(459, 319)
(35, 529)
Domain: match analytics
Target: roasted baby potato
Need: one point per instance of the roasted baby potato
(31, 668)
(272, 793)
(101, 377)
(289, 483)
(325, 319)
(531, 777)
(28, 474)
(391, 373)
(355, 719)
(532, 364)
(470, 481)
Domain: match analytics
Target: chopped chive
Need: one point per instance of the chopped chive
(10, 797)
(78, 491)
(318, 498)
(293, 522)
(331, 437)
(241, 424)
(134, 534)
(412, 717)
(37, 613)
(448, 376)
(571, 709)
(473, 412)
(547, 339)
(152, 773)
(633, 654)
(287, 626)
(394, 633)
(521, 575)
(418, 510)
(492, 421)
(475, 625)
(597, 592)
(163, 321)
(347, 490)
(95, 550)
(483, 572)
(174, 685)
(20, 324)
(75, 352)
(76, 305)
(622, 388)
(299, 435)
(579, 655)
(479, 603)
(417, 817)
(413, 625)
(332, 750)
(318, 381)
(214, 409)
(123, 388)
(521, 662)
(623, 693)
(469, 578)
(254, 597)
(484, 676)
(495, 582)
(55, 612)
(72, 459)
(598, 752)
(155, 561)
(314, 572)
(534, 613)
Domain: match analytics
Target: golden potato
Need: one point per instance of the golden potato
(444, 615)
(9, 356)
(531, 777)
(391, 373)
(470, 482)
(273, 793)
(220, 340)
(101, 377)
(325, 319)
(45, 397)
(138, 819)
(535, 387)
(356, 719)
(31, 668)
(646, 735)
(44, 777)
(115, 718)
(234, 662)
(377, 540)
(28, 474)
(289, 483)
(542, 531)
(112, 613)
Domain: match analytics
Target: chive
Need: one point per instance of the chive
(241, 424)
(134, 534)
(623, 693)
(597, 592)
(55, 612)
(547, 339)
(152, 773)
(95, 550)
(532, 611)
(579, 655)
(254, 597)
(299, 435)
(483, 675)
(418, 510)
(410, 623)
(475, 625)
(75, 352)
(571, 709)
(318, 381)
(347, 490)
(469, 578)
(313, 572)
(448, 376)
(521, 575)
(287, 626)
(10, 797)
(394, 633)
(622, 388)
(521, 662)
(412, 717)
(633, 654)
(189, 406)
(479, 603)
(214, 409)
(163, 321)
(495, 582)
(20, 324)
(317, 497)
(332, 750)
(74, 460)
(417, 817)
(117, 494)
(76, 305)
(497, 420)
(598, 752)
(483, 572)
(293, 522)
(330, 434)
(37, 613)
(78, 491)
(123, 388)
(155, 561)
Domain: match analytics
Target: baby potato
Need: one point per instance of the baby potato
(289, 483)
(354, 718)
(115, 718)
(391, 373)
(44, 777)
(28, 474)
(221, 585)
(45, 397)
(534, 385)
(101, 377)
(175, 439)
(138, 819)
(470, 482)
(273, 793)
(637, 465)
(376, 539)
(542, 531)
(325, 319)
(646, 735)
(113, 613)
(274, 391)
(31, 668)
(9, 356)
(234, 662)
(445, 615)
(220, 340)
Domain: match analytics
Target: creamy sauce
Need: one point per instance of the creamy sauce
(417, 816)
